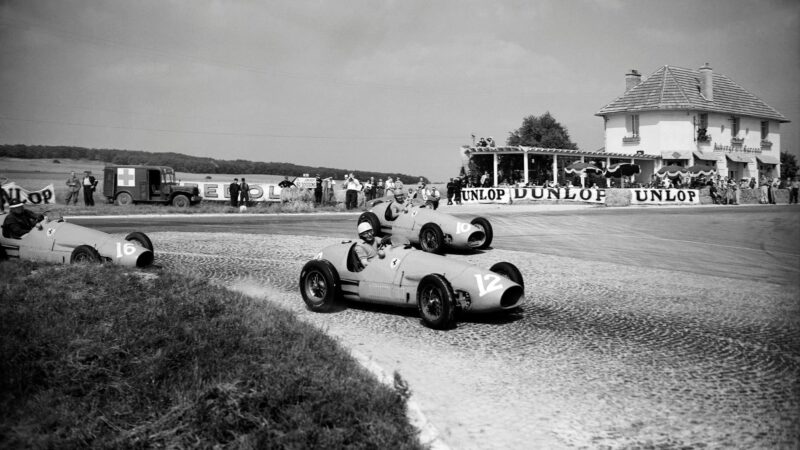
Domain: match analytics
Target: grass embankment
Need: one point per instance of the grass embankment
(106, 357)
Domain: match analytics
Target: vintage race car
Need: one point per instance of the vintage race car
(431, 230)
(55, 240)
(437, 286)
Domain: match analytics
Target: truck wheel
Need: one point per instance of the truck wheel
(510, 271)
(141, 239)
(431, 239)
(374, 222)
(180, 201)
(436, 302)
(483, 224)
(84, 254)
(319, 285)
(124, 199)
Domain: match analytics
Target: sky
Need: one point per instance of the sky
(391, 86)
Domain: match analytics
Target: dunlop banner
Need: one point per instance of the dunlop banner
(512, 195)
(665, 197)
(44, 196)
(259, 192)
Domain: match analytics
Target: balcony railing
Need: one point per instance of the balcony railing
(737, 141)
(766, 144)
(631, 139)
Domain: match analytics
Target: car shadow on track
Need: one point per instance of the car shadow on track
(494, 318)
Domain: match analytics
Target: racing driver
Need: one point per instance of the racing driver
(20, 221)
(367, 249)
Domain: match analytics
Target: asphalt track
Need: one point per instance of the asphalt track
(642, 327)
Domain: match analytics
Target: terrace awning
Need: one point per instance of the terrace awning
(768, 159)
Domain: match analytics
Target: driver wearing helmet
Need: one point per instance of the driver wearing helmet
(368, 248)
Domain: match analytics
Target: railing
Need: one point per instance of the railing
(766, 144)
(737, 141)
(631, 139)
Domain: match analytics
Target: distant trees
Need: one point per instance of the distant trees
(183, 163)
(541, 131)
(788, 165)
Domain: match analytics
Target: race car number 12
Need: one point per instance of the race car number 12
(125, 249)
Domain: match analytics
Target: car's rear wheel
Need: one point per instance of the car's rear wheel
(374, 222)
(510, 271)
(124, 199)
(436, 302)
(141, 239)
(84, 254)
(181, 201)
(431, 238)
(486, 227)
(319, 285)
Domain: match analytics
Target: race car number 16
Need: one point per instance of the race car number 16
(125, 249)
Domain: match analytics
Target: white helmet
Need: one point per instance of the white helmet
(364, 226)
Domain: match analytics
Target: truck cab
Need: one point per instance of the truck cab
(128, 184)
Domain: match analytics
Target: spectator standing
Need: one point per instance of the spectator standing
(458, 183)
(450, 191)
(89, 184)
(772, 186)
(369, 189)
(233, 191)
(352, 186)
(763, 189)
(318, 190)
(793, 190)
(73, 188)
(485, 179)
(390, 186)
(379, 188)
(244, 193)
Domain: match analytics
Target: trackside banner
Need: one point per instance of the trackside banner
(259, 192)
(511, 195)
(665, 197)
(44, 196)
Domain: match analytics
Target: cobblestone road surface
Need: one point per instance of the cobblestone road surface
(602, 355)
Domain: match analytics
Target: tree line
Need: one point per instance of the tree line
(184, 163)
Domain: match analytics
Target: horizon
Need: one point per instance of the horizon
(386, 87)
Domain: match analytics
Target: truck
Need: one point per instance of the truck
(129, 184)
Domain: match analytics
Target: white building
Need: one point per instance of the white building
(687, 117)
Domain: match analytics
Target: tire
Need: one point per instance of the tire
(486, 226)
(124, 199)
(436, 302)
(510, 271)
(141, 239)
(431, 239)
(374, 222)
(84, 254)
(180, 201)
(319, 285)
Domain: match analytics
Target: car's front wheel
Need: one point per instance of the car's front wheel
(431, 238)
(181, 201)
(436, 302)
(319, 285)
(84, 254)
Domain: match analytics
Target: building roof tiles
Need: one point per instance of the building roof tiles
(676, 88)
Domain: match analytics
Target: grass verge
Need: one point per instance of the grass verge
(101, 356)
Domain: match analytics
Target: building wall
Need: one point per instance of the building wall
(658, 130)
